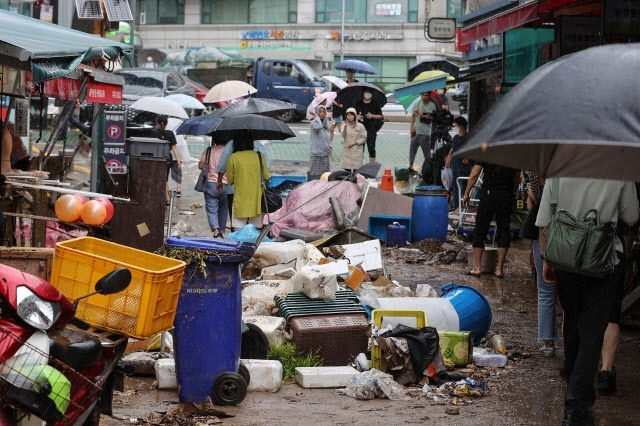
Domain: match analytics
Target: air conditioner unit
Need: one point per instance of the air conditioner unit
(143, 18)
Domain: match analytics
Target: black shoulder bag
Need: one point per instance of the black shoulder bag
(271, 200)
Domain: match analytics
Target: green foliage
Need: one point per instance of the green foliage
(290, 358)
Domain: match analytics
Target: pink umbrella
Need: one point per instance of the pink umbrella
(329, 97)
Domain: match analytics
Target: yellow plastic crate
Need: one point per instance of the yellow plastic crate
(145, 308)
(376, 354)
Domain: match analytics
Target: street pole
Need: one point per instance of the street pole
(132, 33)
(342, 34)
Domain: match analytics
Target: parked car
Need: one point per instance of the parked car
(460, 94)
(141, 82)
(393, 106)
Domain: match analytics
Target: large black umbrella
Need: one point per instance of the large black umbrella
(352, 94)
(576, 116)
(433, 63)
(252, 125)
(262, 106)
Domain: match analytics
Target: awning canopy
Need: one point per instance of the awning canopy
(503, 21)
(52, 51)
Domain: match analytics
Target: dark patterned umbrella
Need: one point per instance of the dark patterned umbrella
(577, 116)
(254, 126)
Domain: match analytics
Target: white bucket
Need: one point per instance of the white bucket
(440, 312)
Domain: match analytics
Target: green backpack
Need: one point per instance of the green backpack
(583, 247)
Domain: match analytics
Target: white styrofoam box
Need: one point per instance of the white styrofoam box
(265, 375)
(272, 327)
(324, 377)
(339, 267)
(315, 284)
(166, 374)
(368, 253)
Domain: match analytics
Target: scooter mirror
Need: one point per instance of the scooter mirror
(114, 282)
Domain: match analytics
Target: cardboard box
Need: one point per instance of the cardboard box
(457, 347)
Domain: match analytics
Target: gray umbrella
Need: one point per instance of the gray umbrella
(576, 116)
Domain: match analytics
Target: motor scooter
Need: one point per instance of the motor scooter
(55, 368)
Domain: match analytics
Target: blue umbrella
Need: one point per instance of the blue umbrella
(186, 101)
(197, 126)
(357, 66)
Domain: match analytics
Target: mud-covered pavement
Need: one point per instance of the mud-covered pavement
(528, 391)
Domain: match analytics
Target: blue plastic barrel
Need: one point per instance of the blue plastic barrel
(429, 214)
(208, 323)
(396, 235)
(472, 307)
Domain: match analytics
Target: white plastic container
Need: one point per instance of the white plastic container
(440, 312)
(324, 377)
(490, 360)
(166, 373)
(265, 375)
(272, 327)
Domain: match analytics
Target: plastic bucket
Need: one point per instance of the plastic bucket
(440, 312)
(474, 311)
(430, 213)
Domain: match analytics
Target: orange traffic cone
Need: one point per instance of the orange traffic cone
(387, 181)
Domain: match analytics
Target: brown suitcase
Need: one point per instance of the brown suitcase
(336, 338)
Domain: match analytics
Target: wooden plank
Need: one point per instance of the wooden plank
(382, 202)
(36, 261)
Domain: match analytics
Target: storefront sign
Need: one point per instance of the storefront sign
(274, 35)
(440, 29)
(22, 116)
(46, 13)
(114, 128)
(578, 33)
(388, 9)
(486, 46)
(367, 35)
(103, 93)
(269, 44)
(621, 17)
(67, 89)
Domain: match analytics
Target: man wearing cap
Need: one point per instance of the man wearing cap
(161, 132)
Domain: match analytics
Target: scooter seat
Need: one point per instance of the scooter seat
(76, 349)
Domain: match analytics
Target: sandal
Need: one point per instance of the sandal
(473, 274)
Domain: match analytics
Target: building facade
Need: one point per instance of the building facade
(389, 34)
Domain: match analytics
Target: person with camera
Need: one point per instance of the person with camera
(370, 115)
(421, 128)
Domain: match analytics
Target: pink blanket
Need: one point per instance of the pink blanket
(317, 215)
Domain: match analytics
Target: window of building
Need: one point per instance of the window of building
(249, 11)
(160, 12)
(331, 11)
(16, 6)
(456, 8)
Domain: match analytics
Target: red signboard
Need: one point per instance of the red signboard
(510, 19)
(62, 88)
(103, 93)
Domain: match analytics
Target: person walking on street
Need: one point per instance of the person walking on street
(215, 200)
(351, 76)
(547, 294)
(244, 171)
(498, 185)
(460, 167)
(587, 301)
(222, 168)
(370, 114)
(320, 142)
(161, 132)
(354, 136)
(421, 128)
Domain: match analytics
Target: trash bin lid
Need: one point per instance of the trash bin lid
(430, 190)
(226, 251)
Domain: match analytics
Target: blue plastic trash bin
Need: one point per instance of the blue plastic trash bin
(474, 310)
(429, 214)
(208, 323)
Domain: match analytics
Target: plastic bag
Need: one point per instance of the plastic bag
(247, 234)
(425, 290)
(447, 178)
(264, 292)
(374, 384)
